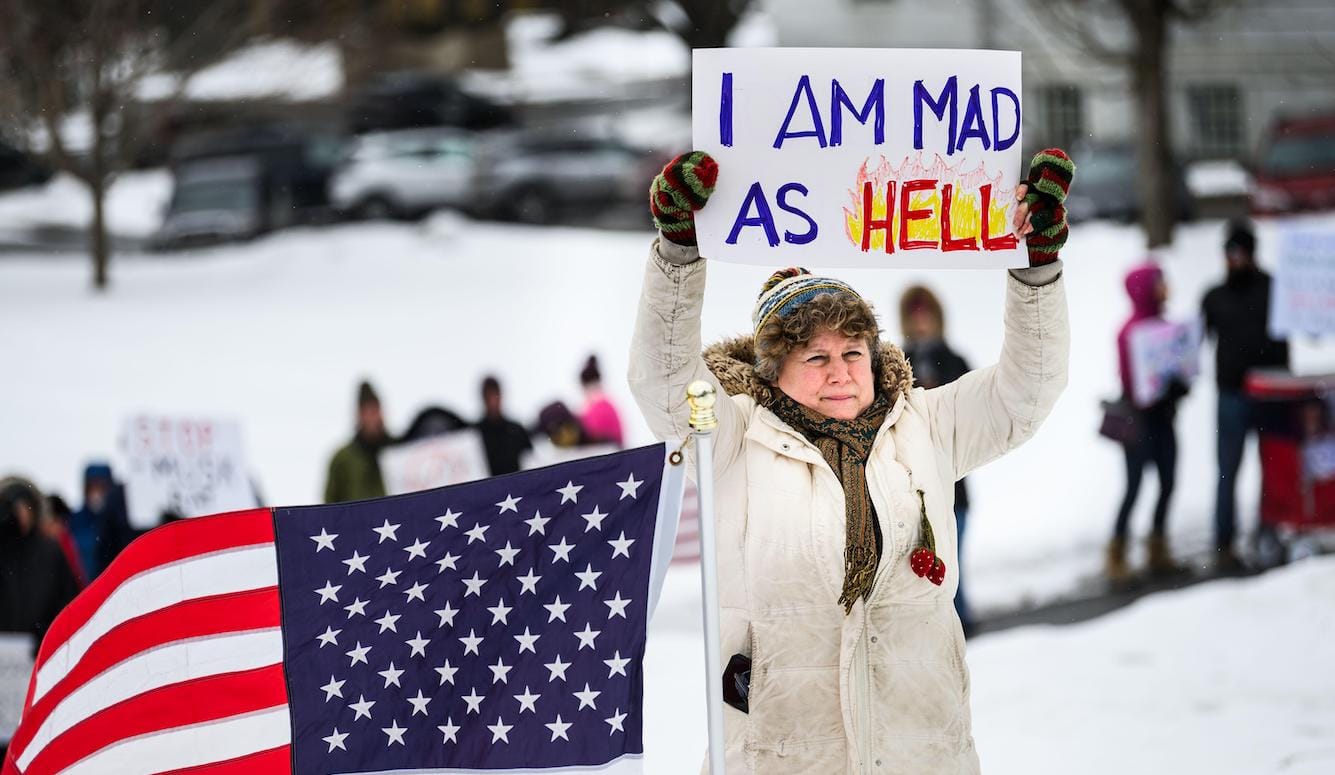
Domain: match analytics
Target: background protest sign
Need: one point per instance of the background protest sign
(1302, 296)
(183, 465)
(860, 157)
(1162, 351)
(16, 665)
(450, 458)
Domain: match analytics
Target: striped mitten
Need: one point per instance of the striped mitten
(678, 191)
(1050, 174)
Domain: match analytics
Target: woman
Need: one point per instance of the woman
(835, 490)
(1157, 441)
(600, 420)
(934, 364)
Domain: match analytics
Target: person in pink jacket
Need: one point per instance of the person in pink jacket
(1156, 441)
(602, 424)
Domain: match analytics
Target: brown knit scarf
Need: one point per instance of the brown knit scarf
(846, 445)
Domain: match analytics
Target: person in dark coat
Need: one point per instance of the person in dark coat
(354, 471)
(35, 578)
(504, 439)
(101, 527)
(935, 364)
(1237, 313)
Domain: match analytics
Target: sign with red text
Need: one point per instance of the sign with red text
(860, 157)
(183, 466)
(1162, 351)
(1302, 296)
(435, 461)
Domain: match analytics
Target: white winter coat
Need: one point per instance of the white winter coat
(883, 689)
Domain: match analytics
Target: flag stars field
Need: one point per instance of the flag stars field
(556, 632)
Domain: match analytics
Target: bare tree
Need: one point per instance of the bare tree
(84, 59)
(1147, 26)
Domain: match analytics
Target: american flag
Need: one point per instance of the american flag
(498, 625)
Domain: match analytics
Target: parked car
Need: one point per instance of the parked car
(1108, 187)
(214, 200)
(18, 169)
(237, 184)
(1295, 169)
(405, 173)
(408, 100)
(536, 178)
(514, 175)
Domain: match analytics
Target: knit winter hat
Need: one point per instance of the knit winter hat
(788, 289)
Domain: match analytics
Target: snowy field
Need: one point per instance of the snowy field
(1228, 677)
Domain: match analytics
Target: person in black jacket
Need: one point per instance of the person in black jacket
(504, 439)
(35, 578)
(1236, 314)
(934, 364)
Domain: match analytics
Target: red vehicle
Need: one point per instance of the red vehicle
(1297, 457)
(1295, 169)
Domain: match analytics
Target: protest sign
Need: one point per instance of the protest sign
(1160, 352)
(435, 461)
(860, 157)
(15, 669)
(185, 466)
(1302, 296)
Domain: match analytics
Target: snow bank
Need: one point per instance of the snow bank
(267, 69)
(134, 204)
(604, 62)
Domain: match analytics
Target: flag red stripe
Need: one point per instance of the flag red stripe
(169, 543)
(233, 612)
(274, 761)
(190, 702)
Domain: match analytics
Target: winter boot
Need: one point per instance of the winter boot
(1227, 563)
(1160, 560)
(1115, 567)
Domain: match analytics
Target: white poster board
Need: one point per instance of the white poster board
(1161, 351)
(860, 157)
(190, 466)
(436, 461)
(1302, 296)
(16, 665)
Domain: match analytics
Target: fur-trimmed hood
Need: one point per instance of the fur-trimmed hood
(732, 361)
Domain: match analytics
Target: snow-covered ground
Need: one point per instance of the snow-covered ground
(134, 204)
(276, 333)
(1226, 678)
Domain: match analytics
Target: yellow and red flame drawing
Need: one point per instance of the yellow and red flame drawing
(914, 206)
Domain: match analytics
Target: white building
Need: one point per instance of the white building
(1229, 75)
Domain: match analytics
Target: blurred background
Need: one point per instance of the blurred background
(250, 247)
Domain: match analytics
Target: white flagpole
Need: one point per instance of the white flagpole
(701, 396)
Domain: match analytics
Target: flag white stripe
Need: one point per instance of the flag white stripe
(155, 668)
(190, 746)
(233, 570)
(665, 531)
(630, 764)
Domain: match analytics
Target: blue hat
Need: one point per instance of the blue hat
(788, 289)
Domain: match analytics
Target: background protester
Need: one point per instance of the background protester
(934, 364)
(601, 421)
(1156, 440)
(35, 578)
(504, 440)
(101, 527)
(1236, 313)
(55, 524)
(354, 471)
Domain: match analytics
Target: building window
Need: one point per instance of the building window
(1063, 113)
(1216, 120)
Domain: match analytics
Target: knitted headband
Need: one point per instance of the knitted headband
(788, 289)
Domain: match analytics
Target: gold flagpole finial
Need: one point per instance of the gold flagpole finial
(701, 396)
